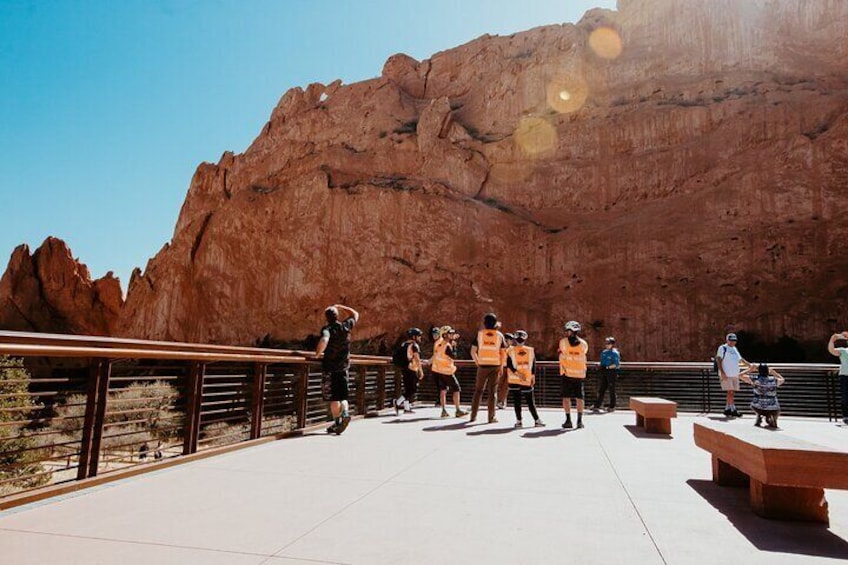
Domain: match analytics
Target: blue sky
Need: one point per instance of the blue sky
(107, 108)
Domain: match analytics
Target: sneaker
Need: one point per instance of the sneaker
(332, 428)
(518, 424)
(539, 424)
(728, 412)
(344, 424)
(408, 411)
(493, 420)
(595, 408)
(580, 424)
(397, 408)
(500, 405)
(460, 413)
(758, 421)
(736, 413)
(444, 414)
(567, 425)
(611, 409)
(845, 420)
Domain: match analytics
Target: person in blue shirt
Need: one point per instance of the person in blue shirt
(765, 381)
(609, 367)
(842, 353)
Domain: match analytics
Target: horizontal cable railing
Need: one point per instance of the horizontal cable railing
(73, 408)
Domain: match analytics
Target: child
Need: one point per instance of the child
(765, 385)
(520, 362)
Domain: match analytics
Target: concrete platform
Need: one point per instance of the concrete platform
(417, 489)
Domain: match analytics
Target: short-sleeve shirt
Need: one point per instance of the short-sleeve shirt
(765, 393)
(843, 360)
(730, 357)
(337, 354)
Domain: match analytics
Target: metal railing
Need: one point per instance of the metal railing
(74, 409)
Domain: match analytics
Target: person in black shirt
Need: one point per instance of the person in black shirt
(411, 369)
(334, 351)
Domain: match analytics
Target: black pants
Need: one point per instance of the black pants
(526, 392)
(608, 377)
(843, 389)
(410, 384)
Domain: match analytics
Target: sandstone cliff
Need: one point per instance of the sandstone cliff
(50, 291)
(660, 173)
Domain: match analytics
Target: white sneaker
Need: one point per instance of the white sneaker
(518, 424)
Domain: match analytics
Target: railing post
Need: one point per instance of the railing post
(381, 387)
(260, 371)
(301, 389)
(193, 404)
(98, 385)
(361, 373)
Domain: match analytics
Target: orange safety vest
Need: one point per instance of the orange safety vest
(442, 363)
(572, 358)
(489, 348)
(522, 359)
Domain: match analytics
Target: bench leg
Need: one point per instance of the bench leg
(658, 425)
(789, 503)
(727, 475)
(640, 420)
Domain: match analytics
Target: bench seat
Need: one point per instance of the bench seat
(653, 414)
(786, 475)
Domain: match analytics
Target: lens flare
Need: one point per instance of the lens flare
(567, 94)
(536, 137)
(605, 42)
(510, 173)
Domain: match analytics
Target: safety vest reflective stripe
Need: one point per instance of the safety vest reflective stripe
(489, 348)
(522, 359)
(442, 363)
(572, 359)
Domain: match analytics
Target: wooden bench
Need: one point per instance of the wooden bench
(653, 414)
(786, 476)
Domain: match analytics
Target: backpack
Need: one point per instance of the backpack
(400, 357)
(715, 362)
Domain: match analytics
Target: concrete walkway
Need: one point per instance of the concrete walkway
(416, 489)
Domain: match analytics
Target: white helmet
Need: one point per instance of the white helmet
(573, 326)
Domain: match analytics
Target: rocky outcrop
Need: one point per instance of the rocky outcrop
(661, 173)
(50, 291)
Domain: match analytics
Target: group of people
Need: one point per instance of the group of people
(506, 365)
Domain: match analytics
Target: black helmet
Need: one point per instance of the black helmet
(434, 331)
(509, 336)
(521, 336)
(412, 332)
(490, 320)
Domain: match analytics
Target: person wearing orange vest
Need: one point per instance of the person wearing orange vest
(488, 352)
(444, 369)
(572, 367)
(521, 376)
(503, 382)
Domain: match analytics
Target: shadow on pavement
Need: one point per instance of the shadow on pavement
(550, 432)
(492, 432)
(801, 538)
(640, 432)
(447, 427)
(408, 420)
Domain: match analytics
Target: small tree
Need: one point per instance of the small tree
(19, 456)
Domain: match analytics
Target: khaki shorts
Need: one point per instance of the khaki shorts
(729, 383)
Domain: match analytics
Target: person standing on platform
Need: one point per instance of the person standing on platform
(842, 353)
(572, 368)
(334, 351)
(434, 336)
(521, 375)
(488, 352)
(609, 367)
(445, 369)
(408, 359)
(727, 361)
(503, 381)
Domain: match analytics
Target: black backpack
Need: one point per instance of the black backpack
(715, 361)
(400, 357)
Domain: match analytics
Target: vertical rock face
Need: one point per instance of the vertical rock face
(49, 291)
(684, 173)
(661, 173)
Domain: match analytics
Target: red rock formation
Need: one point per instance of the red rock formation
(694, 181)
(50, 291)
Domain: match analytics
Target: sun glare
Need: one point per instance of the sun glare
(567, 94)
(536, 137)
(605, 42)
